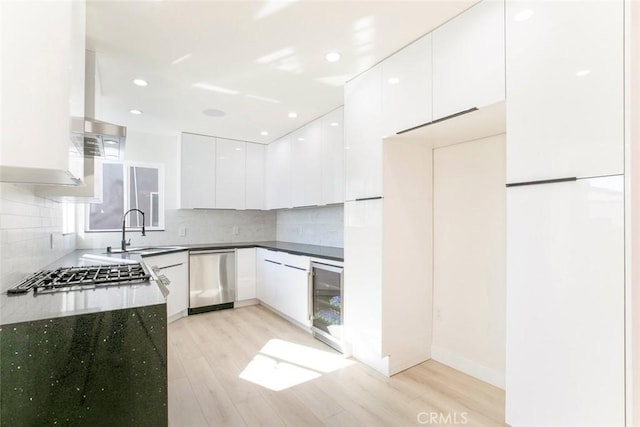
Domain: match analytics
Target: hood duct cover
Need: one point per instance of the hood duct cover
(101, 139)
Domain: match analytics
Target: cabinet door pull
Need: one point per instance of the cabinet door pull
(273, 262)
(297, 268)
(368, 198)
(544, 181)
(442, 119)
(170, 266)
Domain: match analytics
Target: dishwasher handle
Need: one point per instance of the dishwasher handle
(212, 251)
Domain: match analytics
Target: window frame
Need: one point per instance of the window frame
(126, 168)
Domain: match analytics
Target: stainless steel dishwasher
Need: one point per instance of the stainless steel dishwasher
(212, 280)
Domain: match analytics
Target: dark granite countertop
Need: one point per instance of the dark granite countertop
(29, 307)
(328, 252)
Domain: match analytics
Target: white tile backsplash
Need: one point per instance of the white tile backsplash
(315, 226)
(202, 226)
(28, 224)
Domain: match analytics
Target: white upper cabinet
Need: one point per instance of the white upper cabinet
(363, 135)
(565, 87)
(197, 172)
(218, 173)
(278, 194)
(469, 59)
(333, 157)
(42, 81)
(230, 174)
(306, 165)
(255, 189)
(406, 87)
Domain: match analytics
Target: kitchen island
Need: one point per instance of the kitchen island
(86, 357)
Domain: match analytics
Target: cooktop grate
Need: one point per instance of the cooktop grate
(74, 278)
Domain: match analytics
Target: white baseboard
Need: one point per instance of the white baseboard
(245, 302)
(468, 366)
(397, 366)
(177, 316)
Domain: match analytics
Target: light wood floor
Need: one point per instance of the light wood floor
(209, 352)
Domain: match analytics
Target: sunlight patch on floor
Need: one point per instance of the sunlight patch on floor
(281, 364)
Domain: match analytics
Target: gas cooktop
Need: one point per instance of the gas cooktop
(77, 278)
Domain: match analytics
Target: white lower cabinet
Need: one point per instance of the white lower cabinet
(246, 274)
(565, 304)
(293, 277)
(283, 284)
(267, 263)
(363, 281)
(175, 267)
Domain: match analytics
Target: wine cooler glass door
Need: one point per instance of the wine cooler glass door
(327, 300)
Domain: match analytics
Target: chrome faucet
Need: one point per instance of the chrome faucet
(124, 243)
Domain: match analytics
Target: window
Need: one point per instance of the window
(127, 186)
(68, 217)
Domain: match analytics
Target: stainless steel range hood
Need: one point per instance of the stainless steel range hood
(94, 140)
(101, 139)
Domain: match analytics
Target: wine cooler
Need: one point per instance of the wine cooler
(327, 304)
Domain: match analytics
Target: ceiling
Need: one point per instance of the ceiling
(256, 61)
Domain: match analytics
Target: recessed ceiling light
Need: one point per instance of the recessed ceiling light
(264, 133)
(332, 56)
(136, 112)
(583, 73)
(334, 124)
(293, 115)
(238, 149)
(523, 15)
(140, 82)
(393, 81)
(300, 139)
(213, 112)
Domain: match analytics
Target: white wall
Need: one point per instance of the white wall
(315, 226)
(202, 226)
(27, 223)
(469, 258)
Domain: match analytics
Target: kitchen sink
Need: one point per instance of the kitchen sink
(146, 250)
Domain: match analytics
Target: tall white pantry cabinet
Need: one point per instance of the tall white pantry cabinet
(388, 233)
(564, 71)
(565, 213)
